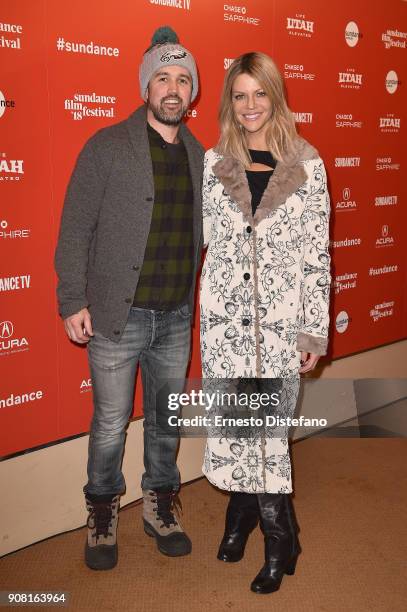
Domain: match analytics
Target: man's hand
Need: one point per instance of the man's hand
(308, 361)
(79, 327)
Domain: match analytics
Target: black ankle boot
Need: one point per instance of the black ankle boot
(242, 516)
(282, 548)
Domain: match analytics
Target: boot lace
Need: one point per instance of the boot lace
(100, 518)
(166, 504)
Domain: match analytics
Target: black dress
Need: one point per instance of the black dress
(258, 179)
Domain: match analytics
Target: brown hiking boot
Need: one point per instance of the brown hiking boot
(101, 546)
(161, 524)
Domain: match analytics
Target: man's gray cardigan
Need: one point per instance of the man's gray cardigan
(106, 220)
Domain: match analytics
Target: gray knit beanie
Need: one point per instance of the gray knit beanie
(165, 50)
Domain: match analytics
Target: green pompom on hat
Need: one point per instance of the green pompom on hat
(165, 50)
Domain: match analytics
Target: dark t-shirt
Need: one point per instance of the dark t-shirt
(258, 179)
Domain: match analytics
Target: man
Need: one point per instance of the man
(127, 256)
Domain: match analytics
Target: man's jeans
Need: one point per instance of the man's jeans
(160, 342)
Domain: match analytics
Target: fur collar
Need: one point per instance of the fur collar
(288, 176)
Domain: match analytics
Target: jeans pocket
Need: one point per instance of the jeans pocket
(183, 311)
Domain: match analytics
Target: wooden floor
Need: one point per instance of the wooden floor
(351, 499)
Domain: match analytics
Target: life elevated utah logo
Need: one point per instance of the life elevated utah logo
(390, 124)
(300, 26)
(350, 79)
(11, 169)
(9, 342)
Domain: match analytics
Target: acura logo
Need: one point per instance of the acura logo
(6, 329)
(346, 193)
(385, 230)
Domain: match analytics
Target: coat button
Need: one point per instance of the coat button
(116, 332)
(136, 268)
(246, 276)
(245, 322)
(163, 146)
(128, 300)
(249, 229)
(149, 199)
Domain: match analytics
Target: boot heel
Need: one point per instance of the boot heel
(290, 569)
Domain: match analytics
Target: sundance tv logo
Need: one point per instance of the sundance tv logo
(300, 26)
(11, 169)
(303, 117)
(177, 4)
(352, 34)
(15, 283)
(9, 342)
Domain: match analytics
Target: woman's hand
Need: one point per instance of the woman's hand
(308, 362)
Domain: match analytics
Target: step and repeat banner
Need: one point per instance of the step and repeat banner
(69, 68)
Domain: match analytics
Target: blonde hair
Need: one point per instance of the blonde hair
(281, 133)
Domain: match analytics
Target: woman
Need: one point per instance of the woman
(264, 296)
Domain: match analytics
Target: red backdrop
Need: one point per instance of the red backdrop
(344, 66)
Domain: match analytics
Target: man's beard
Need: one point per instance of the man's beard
(163, 116)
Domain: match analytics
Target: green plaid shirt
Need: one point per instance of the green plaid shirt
(166, 274)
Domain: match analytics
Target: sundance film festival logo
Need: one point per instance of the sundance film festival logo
(389, 124)
(5, 104)
(345, 281)
(386, 163)
(11, 169)
(385, 240)
(347, 162)
(303, 117)
(394, 38)
(342, 322)
(83, 106)
(300, 26)
(347, 203)
(296, 71)
(381, 311)
(350, 79)
(238, 14)
(7, 29)
(9, 342)
(347, 121)
(392, 82)
(8, 233)
(178, 4)
(352, 34)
